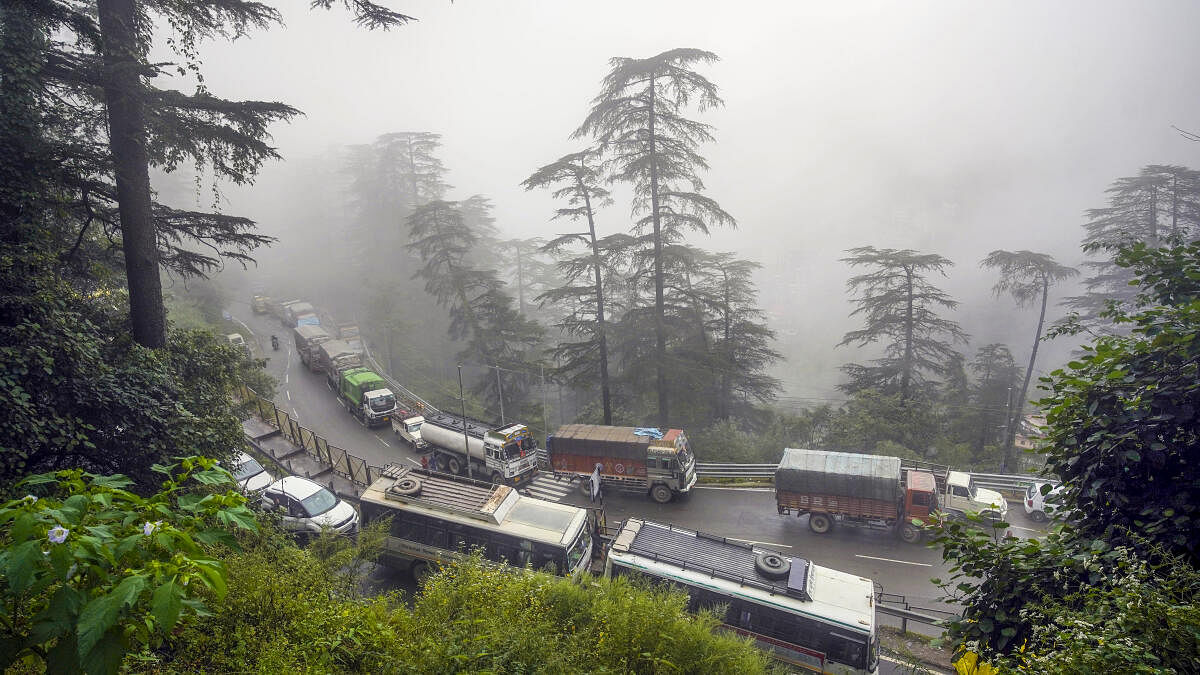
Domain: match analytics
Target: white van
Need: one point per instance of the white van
(1041, 507)
(308, 507)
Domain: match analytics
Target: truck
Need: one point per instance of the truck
(335, 356)
(958, 493)
(293, 310)
(408, 429)
(366, 396)
(639, 459)
(259, 304)
(856, 490)
(505, 454)
(349, 333)
(307, 340)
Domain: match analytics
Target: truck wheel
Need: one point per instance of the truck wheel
(772, 565)
(454, 465)
(497, 477)
(910, 533)
(820, 523)
(661, 493)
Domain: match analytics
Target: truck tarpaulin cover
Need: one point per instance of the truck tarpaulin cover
(847, 474)
(599, 441)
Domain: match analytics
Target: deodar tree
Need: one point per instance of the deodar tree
(1027, 277)
(900, 308)
(115, 124)
(575, 179)
(1159, 206)
(639, 121)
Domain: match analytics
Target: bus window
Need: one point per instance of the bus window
(846, 650)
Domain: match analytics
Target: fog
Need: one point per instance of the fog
(947, 127)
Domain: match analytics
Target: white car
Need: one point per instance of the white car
(308, 507)
(251, 477)
(1036, 506)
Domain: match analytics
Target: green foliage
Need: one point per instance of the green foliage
(285, 613)
(1123, 418)
(870, 418)
(92, 570)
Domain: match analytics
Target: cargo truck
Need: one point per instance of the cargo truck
(643, 460)
(308, 338)
(505, 454)
(856, 490)
(335, 356)
(292, 311)
(259, 304)
(366, 396)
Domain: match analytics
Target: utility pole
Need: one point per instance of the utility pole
(545, 422)
(1008, 420)
(500, 391)
(466, 441)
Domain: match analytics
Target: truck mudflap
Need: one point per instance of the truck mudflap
(691, 484)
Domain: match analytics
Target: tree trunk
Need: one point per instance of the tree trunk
(660, 331)
(1015, 416)
(123, 94)
(907, 366)
(520, 281)
(605, 399)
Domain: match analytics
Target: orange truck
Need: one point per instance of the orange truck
(658, 463)
(855, 490)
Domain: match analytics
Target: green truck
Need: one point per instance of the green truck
(367, 396)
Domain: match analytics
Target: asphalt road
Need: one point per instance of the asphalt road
(743, 514)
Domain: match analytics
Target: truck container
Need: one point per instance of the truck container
(504, 454)
(334, 356)
(856, 490)
(308, 338)
(349, 333)
(293, 310)
(640, 459)
(367, 396)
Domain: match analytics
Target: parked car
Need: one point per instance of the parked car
(251, 477)
(1038, 506)
(307, 507)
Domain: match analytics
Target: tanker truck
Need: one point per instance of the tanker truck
(366, 396)
(638, 459)
(855, 490)
(506, 454)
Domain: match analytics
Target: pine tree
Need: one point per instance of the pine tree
(1027, 277)
(996, 375)
(638, 120)
(899, 306)
(1159, 206)
(120, 125)
(575, 180)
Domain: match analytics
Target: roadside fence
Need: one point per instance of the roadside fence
(1007, 484)
(348, 466)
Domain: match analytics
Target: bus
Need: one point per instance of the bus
(438, 518)
(811, 617)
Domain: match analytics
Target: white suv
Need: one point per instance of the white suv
(251, 477)
(1039, 507)
(308, 507)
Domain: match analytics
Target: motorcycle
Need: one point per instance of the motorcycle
(274, 343)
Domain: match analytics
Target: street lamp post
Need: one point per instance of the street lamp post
(466, 441)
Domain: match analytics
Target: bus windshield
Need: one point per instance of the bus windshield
(580, 549)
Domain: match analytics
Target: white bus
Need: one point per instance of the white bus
(811, 617)
(439, 517)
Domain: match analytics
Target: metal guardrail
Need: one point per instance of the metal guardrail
(993, 481)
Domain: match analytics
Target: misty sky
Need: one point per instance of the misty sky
(948, 127)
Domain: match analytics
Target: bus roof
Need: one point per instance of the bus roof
(729, 567)
(477, 503)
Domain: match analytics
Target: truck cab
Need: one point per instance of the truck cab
(920, 503)
(408, 428)
(963, 496)
(378, 405)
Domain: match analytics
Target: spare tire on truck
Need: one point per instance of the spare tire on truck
(772, 565)
(408, 487)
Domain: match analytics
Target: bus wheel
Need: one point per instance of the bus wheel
(820, 523)
(909, 533)
(454, 465)
(420, 571)
(660, 493)
(772, 565)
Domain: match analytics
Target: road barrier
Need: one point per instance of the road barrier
(1010, 485)
(348, 466)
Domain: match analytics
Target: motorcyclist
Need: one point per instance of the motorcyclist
(274, 343)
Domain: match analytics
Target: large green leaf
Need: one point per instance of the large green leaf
(97, 617)
(58, 617)
(166, 604)
(21, 564)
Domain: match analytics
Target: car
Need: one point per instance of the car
(307, 507)
(251, 477)
(1038, 505)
